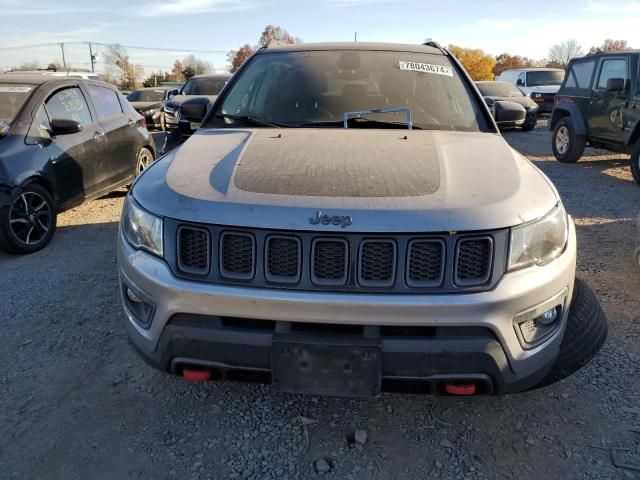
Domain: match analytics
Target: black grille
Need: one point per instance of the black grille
(473, 263)
(329, 262)
(237, 255)
(193, 245)
(283, 259)
(377, 262)
(425, 265)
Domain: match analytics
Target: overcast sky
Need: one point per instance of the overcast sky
(525, 28)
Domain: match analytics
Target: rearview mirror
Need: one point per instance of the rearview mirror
(615, 84)
(64, 126)
(194, 110)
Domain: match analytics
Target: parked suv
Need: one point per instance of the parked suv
(599, 105)
(201, 87)
(349, 219)
(541, 84)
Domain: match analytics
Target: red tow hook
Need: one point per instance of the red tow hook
(196, 374)
(460, 388)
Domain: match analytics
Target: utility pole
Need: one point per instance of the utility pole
(93, 58)
(355, 37)
(64, 62)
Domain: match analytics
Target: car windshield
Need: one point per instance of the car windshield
(499, 89)
(538, 79)
(317, 88)
(203, 86)
(12, 98)
(146, 96)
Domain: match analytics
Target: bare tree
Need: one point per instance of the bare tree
(610, 45)
(32, 65)
(274, 34)
(118, 63)
(562, 53)
(196, 65)
(177, 71)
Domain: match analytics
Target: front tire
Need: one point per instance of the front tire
(28, 224)
(567, 145)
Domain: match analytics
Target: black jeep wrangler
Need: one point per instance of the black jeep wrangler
(598, 105)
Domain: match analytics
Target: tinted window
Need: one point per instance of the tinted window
(146, 95)
(12, 97)
(319, 87)
(203, 86)
(69, 104)
(499, 89)
(612, 68)
(580, 75)
(545, 77)
(106, 101)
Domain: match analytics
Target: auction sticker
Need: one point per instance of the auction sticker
(5, 89)
(427, 68)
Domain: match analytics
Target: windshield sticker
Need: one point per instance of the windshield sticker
(427, 68)
(15, 89)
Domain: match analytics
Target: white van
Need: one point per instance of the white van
(541, 84)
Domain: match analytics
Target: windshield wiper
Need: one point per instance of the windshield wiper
(374, 111)
(251, 120)
(356, 120)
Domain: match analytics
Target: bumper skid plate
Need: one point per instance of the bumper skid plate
(334, 368)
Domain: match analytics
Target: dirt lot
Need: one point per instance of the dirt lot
(76, 402)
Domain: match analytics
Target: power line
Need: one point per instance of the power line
(134, 47)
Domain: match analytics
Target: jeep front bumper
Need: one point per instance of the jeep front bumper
(421, 338)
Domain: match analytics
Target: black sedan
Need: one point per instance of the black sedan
(149, 102)
(63, 141)
(507, 92)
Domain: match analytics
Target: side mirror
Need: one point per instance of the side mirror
(509, 112)
(173, 93)
(194, 110)
(615, 85)
(520, 83)
(63, 126)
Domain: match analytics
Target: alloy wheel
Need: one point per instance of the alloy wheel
(144, 160)
(30, 218)
(562, 140)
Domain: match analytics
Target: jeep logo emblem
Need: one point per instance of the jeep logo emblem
(324, 219)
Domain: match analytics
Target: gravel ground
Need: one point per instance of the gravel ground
(76, 402)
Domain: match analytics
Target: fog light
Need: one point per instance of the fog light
(535, 325)
(132, 296)
(139, 308)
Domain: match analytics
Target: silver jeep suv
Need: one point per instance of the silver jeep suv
(348, 219)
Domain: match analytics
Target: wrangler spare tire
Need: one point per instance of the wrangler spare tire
(584, 335)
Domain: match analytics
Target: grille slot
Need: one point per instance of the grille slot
(377, 263)
(283, 258)
(237, 255)
(329, 257)
(473, 261)
(194, 245)
(425, 263)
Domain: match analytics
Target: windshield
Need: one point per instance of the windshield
(203, 86)
(146, 96)
(499, 89)
(317, 88)
(537, 79)
(12, 98)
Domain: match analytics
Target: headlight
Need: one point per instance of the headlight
(169, 108)
(539, 242)
(151, 111)
(142, 229)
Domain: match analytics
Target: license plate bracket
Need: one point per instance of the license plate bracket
(330, 368)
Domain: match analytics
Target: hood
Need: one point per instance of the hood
(526, 102)
(545, 89)
(145, 105)
(178, 100)
(386, 180)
